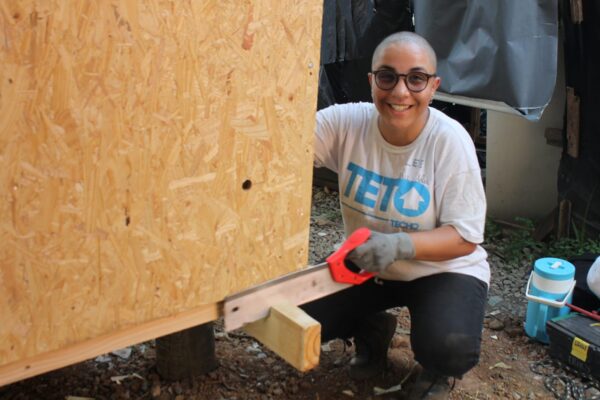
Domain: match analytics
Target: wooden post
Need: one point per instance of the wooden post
(187, 353)
(573, 105)
(564, 219)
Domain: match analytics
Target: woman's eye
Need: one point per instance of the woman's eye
(417, 78)
(387, 77)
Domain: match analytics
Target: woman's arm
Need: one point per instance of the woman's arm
(439, 244)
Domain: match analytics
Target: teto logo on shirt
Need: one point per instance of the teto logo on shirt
(378, 193)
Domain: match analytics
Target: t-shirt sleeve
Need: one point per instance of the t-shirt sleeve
(464, 205)
(459, 188)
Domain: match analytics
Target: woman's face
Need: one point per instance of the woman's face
(402, 113)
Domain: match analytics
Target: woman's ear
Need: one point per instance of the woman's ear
(436, 83)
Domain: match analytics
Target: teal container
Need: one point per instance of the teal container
(549, 288)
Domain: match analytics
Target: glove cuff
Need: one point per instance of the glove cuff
(405, 248)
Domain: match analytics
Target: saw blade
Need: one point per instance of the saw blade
(295, 288)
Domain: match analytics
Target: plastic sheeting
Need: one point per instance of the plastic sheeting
(503, 51)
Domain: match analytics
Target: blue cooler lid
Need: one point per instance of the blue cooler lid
(554, 269)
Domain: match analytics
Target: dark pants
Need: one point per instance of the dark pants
(446, 311)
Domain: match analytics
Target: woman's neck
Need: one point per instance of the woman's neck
(402, 137)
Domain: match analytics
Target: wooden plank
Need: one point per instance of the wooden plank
(253, 304)
(49, 361)
(155, 157)
(576, 11)
(573, 105)
(291, 333)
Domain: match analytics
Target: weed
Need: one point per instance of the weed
(516, 245)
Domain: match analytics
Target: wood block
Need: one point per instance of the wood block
(291, 333)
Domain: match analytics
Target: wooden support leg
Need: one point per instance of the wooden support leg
(564, 219)
(187, 353)
(291, 333)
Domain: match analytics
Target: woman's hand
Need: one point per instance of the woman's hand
(382, 249)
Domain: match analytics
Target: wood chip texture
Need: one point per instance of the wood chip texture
(155, 156)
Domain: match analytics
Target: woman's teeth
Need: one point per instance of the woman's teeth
(399, 107)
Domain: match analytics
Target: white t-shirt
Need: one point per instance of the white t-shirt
(434, 181)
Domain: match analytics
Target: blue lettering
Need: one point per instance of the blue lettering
(355, 169)
(390, 185)
(410, 198)
(365, 188)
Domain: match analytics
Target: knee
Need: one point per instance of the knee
(450, 354)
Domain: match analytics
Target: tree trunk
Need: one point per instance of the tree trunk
(187, 353)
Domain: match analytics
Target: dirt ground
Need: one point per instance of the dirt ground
(248, 371)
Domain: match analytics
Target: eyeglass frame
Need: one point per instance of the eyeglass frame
(404, 76)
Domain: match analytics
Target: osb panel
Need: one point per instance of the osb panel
(155, 156)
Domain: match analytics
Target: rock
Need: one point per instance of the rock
(495, 300)
(496, 325)
(155, 391)
(514, 331)
(277, 391)
(123, 353)
(592, 393)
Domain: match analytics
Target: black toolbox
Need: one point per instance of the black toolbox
(575, 341)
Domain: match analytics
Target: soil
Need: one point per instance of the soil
(248, 371)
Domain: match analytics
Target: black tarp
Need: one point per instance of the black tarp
(579, 178)
(501, 50)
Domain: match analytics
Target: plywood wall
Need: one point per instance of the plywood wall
(155, 155)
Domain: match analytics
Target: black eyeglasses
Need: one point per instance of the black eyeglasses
(415, 81)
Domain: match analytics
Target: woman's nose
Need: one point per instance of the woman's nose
(401, 88)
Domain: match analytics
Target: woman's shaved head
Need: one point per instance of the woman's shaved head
(407, 37)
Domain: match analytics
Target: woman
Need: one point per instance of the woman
(410, 174)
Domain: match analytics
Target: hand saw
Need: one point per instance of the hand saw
(297, 287)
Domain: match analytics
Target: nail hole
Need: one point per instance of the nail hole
(236, 308)
(247, 184)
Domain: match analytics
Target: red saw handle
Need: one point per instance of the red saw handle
(339, 271)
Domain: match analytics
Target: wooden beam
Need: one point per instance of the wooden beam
(253, 304)
(52, 360)
(291, 333)
(576, 11)
(564, 219)
(572, 123)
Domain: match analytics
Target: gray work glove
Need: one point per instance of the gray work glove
(381, 250)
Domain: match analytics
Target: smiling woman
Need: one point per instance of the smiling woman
(410, 174)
